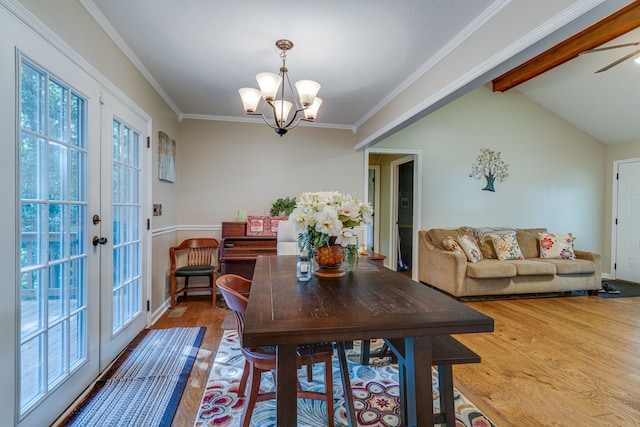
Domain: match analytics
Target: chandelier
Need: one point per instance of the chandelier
(306, 108)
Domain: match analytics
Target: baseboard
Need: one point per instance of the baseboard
(160, 311)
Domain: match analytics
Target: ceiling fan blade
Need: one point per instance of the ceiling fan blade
(600, 49)
(624, 58)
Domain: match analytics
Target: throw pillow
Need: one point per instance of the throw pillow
(450, 244)
(470, 248)
(556, 246)
(506, 246)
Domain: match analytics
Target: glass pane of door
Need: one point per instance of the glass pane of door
(127, 219)
(53, 233)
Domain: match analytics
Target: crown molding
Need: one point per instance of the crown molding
(106, 26)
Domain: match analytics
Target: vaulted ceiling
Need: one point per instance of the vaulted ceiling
(569, 82)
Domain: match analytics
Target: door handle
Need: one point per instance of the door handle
(99, 240)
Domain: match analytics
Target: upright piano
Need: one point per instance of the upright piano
(238, 252)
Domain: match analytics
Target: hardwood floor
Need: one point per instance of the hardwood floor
(565, 361)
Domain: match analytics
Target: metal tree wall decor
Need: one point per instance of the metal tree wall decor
(490, 166)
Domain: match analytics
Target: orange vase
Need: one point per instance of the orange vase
(329, 260)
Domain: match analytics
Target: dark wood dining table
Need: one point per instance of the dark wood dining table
(370, 301)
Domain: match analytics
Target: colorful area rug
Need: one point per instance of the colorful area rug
(375, 392)
(144, 386)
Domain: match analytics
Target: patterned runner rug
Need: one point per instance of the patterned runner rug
(144, 386)
(375, 391)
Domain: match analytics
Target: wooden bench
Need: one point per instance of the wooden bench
(447, 351)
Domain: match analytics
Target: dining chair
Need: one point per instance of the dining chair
(287, 239)
(191, 258)
(235, 291)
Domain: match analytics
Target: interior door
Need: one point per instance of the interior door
(121, 237)
(628, 218)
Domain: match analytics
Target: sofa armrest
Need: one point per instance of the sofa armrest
(589, 256)
(593, 257)
(440, 268)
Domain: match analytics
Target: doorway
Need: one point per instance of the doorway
(397, 212)
(404, 214)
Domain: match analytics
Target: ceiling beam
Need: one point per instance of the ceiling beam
(607, 29)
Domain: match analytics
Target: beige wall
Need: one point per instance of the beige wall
(557, 173)
(226, 167)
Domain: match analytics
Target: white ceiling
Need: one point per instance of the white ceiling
(198, 53)
(605, 105)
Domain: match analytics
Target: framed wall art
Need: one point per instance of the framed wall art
(166, 158)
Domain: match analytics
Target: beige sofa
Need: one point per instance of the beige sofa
(451, 272)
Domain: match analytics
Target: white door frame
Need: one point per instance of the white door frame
(614, 212)
(416, 156)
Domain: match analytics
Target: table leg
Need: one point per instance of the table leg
(447, 405)
(346, 385)
(287, 387)
(419, 393)
(365, 351)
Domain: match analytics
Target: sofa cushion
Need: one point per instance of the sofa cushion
(574, 266)
(506, 246)
(491, 269)
(437, 235)
(487, 248)
(533, 267)
(556, 245)
(529, 241)
(452, 245)
(470, 248)
(484, 241)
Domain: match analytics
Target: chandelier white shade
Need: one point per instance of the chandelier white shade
(269, 84)
(278, 109)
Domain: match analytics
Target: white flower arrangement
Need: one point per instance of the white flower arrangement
(324, 214)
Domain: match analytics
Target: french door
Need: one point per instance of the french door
(122, 291)
(58, 305)
(82, 292)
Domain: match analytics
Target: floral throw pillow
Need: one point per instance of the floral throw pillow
(506, 246)
(559, 246)
(470, 248)
(450, 244)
